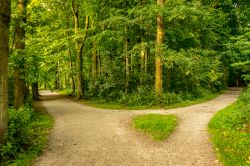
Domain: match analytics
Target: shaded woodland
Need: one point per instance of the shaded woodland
(134, 52)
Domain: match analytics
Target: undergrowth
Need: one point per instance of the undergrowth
(145, 98)
(27, 134)
(230, 130)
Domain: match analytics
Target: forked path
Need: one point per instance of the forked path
(87, 136)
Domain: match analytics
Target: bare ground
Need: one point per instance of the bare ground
(88, 136)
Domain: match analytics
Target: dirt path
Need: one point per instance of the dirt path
(89, 136)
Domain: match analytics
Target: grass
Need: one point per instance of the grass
(113, 105)
(230, 131)
(159, 127)
(203, 99)
(33, 128)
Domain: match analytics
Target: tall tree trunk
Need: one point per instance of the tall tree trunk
(143, 63)
(99, 65)
(94, 63)
(158, 59)
(71, 64)
(20, 88)
(57, 84)
(225, 75)
(73, 87)
(19, 92)
(79, 68)
(127, 72)
(79, 52)
(79, 47)
(146, 63)
(4, 51)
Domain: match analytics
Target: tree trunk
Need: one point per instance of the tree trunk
(19, 87)
(158, 59)
(73, 87)
(79, 52)
(225, 75)
(57, 76)
(19, 94)
(94, 63)
(127, 72)
(35, 93)
(79, 47)
(99, 65)
(4, 51)
(71, 66)
(79, 75)
(143, 63)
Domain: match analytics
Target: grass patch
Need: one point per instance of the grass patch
(230, 131)
(27, 135)
(101, 104)
(203, 99)
(66, 92)
(159, 127)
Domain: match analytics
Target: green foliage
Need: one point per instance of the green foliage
(206, 48)
(159, 127)
(230, 130)
(244, 68)
(27, 135)
(202, 41)
(10, 91)
(145, 97)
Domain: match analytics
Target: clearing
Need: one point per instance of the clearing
(84, 135)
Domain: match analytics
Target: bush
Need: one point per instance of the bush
(146, 97)
(18, 139)
(27, 133)
(10, 91)
(142, 97)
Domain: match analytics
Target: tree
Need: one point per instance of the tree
(20, 86)
(118, 54)
(79, 47)
(4, 52)
(159, 51)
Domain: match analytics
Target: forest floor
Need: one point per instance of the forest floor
(85, 135)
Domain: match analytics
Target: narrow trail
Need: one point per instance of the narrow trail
(87, 136)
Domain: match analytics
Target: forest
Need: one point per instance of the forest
(135, 53)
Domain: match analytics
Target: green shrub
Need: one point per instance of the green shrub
(27, 134)
(170, 98)
(10, 91)
(142, 97)
(145, 97)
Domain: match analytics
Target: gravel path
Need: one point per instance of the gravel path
(88, 136)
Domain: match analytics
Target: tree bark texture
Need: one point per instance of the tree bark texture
(79, 65)
(79, 48)
(35, 93)
(73, 88)
(4, 51)
(144, 58)
(158, 59)
(127, 72)
(19, 93)
(71, 64)
(94, 63)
